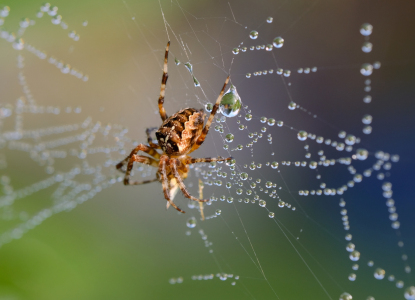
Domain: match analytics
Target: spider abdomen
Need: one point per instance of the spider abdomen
(179, 132)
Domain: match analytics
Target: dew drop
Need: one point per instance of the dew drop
(352, 277)
(248, 117)
(231, 103)
(379, 273)
(354, 256)
(345, 296)
(367, 99)
(18, 44)
(268, 47)
(229, 138)
(270, 19)
(196, 82)
(235, 51)
(248, 75)
(361, 154)
(244, 176)
(292, 105)
(209, 107)
(302, 135)
(410, 293)
(176, 61)
(274, 165)
(367, 119)
(367, 129)
(271, 214)
(253, 35)
(191, 223)
(218, 212)
(366, 69)
(367, 47)
(278, 42)
(262, 203)
(189, 67)
(271, 122)
(366, 29)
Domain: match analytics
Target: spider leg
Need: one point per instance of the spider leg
(202, 215)
(150, 139)
(205, 130)
(206, 159)
(140, 159)
(173, 166)
(163, 85)
(144, 148)
(165, 182)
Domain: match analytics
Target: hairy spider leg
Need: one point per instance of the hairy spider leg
(150, 140)
(164, 181)
(174, 162)
(163, 114)
(144, 148)
(141, 159)
(192, 160)
(205, 130)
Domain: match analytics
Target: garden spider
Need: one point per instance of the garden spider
(178, 136)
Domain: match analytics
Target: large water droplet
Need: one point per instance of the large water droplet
(229, 137)
(278, 42)
(231, 103)
(253, 34)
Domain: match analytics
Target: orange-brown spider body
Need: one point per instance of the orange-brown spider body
(178, 136)
(179, 133)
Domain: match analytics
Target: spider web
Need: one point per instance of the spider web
(318, 203)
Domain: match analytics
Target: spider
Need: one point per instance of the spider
(178, 136)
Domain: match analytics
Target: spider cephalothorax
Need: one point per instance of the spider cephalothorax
(178, 136)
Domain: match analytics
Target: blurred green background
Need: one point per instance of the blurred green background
(123, 244)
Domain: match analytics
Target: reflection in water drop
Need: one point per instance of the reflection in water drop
(366, 69)
(209, 107)
(367, 47)
(231, 103)
(191, 223)
(253, 34)
(366, 29)
(302, 135)
(189, 67)
(345, 296)
(278, 42)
